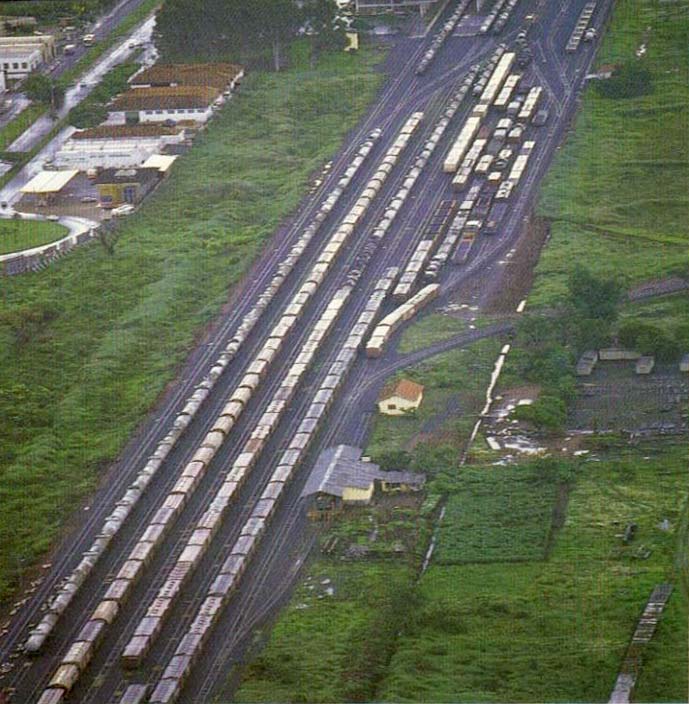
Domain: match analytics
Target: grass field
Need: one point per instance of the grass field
(431, 329)
(332, 643)
(23, 234)
(497, 514)
(88, 345)
(455, 384)
(556, 630)
(618, 191)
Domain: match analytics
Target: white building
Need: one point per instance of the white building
(178, 104)
(19, 56)
(115, 146)
(19, 61)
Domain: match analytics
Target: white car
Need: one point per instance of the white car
(125, 209)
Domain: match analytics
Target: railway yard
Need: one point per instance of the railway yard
(201, 532)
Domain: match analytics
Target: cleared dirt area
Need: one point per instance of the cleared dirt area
(518, 274)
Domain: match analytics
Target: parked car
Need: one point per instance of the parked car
(125, 209)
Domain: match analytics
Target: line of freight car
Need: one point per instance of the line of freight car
(433, 231)
(508, 88)
(418, 164)
(441, 36)
(473, 123)
(169, 686)
(421, 160)
(162, 604)
(580, 27)
(517, 171)
(495, 217)
(504, 17)
(58, 604)
(447, 246)
(464, 247)
(391, 212)
(487, 70)
(175, 501)
(391, 322)
(527, 109)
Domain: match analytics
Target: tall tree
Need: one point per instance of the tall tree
(321, 17)
(276, 22)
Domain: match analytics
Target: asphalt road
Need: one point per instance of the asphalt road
(288, 540)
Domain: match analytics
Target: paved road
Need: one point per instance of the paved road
(102, 28)
(141, 35)
(288, 539)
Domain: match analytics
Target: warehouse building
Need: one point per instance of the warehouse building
(19, 56)
(117, 146)
(340, 478)
(44, 187)
(400, 397)
(119, 186)
(222, 76)
(178, 104)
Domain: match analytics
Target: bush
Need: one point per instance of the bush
(42, 89)
(593, 296)
(629, 81)
(548, 412)
(93, 111)
(648, 338)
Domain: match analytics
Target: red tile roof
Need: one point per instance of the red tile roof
(217, 75)
(404, 388)
(165, 98)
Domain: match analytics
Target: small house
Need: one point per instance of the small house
(645, 364)
(618, 354)
(341, 478)
(118, 186)
(400, 397)
(684, 363)
(587, 363)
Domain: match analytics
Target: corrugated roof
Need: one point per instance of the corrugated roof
(126, 131)
(161, 162)
(404, 388)
(217, 75)
(126, 175)
(165, 98)
(49, 181)
(341, 466)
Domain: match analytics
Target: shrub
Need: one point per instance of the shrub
(548, 412)
(629, 81)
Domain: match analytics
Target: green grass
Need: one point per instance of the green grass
(455, 384)
(20, 124)
(16, 235)
(556, 631)
(618, 191)
(497, 514)
(88, 345)
(332, 648)
(431, 329)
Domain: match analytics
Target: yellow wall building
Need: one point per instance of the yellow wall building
(400, 398)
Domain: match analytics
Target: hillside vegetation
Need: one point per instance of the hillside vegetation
(618, 194)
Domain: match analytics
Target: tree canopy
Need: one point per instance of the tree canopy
(253, 32)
